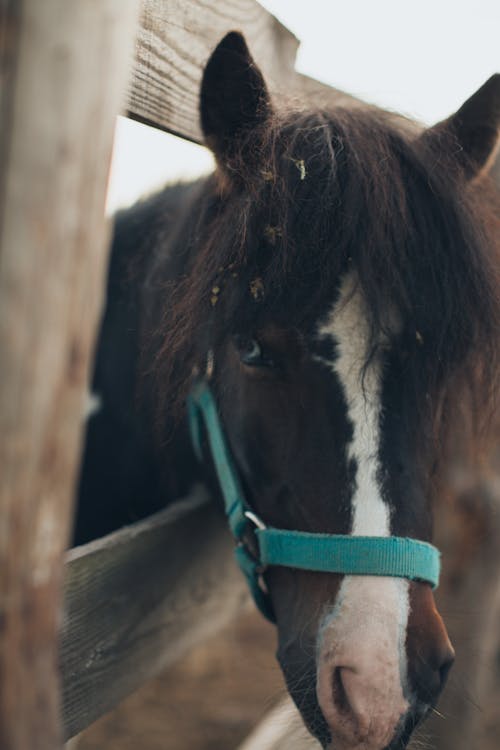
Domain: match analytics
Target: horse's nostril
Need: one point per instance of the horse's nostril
(430, 676)
(445, 667)
(339, 694)
(361, 705)
(351, 699)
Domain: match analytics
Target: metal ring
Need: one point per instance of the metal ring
(254, 518)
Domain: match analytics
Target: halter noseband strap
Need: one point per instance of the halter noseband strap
(259, 546)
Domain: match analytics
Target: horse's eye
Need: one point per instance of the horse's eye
(251, 352)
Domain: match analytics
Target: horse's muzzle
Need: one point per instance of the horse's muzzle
(380, 668)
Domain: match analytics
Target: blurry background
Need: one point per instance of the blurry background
(421, 58)
(209, 700)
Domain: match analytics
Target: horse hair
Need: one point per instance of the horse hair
(309, 195)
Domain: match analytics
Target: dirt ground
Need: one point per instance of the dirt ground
(210, 700)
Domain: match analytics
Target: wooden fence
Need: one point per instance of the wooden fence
(138, 598)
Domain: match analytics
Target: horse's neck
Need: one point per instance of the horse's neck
(144, 256)
(124, 474)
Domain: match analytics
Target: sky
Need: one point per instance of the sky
(419, 57)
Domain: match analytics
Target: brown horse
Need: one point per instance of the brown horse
(335, 279)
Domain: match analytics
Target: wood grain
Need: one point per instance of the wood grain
(137, 599)
(65, 67)
(177, 38)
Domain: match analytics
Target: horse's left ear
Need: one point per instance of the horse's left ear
(472, 133)
(234, 99)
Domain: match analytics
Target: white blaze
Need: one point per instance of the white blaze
(348, 325)
(371, 613)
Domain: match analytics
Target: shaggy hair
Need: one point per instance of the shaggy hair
(309, 195)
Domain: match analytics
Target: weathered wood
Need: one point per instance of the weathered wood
(65, 72)
(174, 43)
(137, 599)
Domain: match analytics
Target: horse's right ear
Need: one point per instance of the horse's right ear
(234, 99)
(471, 135)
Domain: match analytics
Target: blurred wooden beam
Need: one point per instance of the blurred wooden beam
(64, 71)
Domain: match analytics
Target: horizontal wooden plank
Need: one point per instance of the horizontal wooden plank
(137, 599)
(174, 42)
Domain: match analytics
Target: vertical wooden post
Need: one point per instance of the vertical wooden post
(65, 67)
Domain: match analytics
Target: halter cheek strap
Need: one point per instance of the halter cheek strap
(258, 546)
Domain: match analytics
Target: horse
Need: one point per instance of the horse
(334, 281)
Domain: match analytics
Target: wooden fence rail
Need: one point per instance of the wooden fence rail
(138, 599)
(174, 42)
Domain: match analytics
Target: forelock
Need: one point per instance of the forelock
(336, 191)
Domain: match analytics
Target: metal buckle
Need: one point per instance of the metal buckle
(254, 518)
(250, 545)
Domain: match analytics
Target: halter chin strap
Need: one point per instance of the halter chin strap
(258, 546)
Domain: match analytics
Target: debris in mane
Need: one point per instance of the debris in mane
(324, 192)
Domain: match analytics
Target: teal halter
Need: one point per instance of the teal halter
(258, 546)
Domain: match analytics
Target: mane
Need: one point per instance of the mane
(311, 195)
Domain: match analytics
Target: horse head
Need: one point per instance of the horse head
(339, 288)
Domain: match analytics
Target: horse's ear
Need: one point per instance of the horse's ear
(234, 99)
(472, 133)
